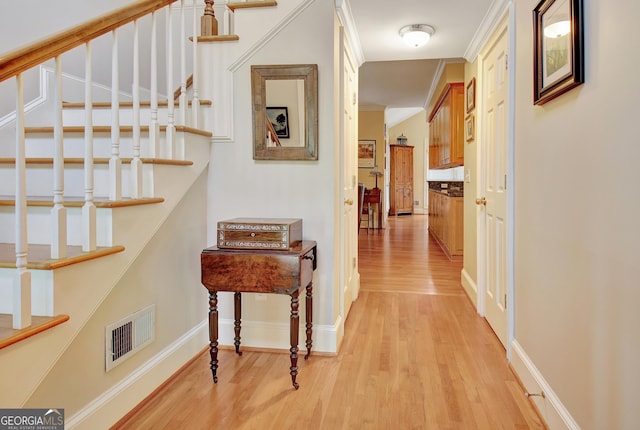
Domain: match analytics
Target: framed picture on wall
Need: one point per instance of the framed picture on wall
(558, 57)
(471, 95)
(366, 153)
(279, 119)
(469, 130)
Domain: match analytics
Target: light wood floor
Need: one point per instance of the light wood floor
(415, 356)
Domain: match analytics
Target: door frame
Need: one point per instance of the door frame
(347, 183)
(507, 20)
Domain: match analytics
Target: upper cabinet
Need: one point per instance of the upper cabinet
(446, 131)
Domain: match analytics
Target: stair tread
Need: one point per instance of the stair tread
(104, 160)
(218, 38)
(76, 201)
(251, 4)
(40, 256)
(9, 335)
(107, 129)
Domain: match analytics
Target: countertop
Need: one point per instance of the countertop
(448, 188)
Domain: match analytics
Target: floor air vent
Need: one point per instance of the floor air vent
(127, 336)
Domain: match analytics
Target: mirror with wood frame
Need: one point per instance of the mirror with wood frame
(285, 112)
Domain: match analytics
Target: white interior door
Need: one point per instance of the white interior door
(349, 121)
(493, 180)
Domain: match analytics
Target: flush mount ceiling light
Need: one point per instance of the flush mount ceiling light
(416, 35)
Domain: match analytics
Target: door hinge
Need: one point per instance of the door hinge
(505, 181)
(506, 61)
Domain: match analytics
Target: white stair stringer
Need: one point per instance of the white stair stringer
(25, 364)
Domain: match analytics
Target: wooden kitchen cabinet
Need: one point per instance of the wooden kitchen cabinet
(446, 222)
(446, 130)
(401, 179)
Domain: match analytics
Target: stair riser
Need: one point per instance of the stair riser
(40, 180)
(41, 145)
(102, 116)
(39, 221)
(42, 300)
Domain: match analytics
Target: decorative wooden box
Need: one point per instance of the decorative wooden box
(259, 233)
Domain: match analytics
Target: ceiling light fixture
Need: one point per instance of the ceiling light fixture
(416, 35)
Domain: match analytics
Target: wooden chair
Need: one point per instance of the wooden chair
(364, 212)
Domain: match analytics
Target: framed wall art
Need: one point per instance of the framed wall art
(558, 54)
(469, 128)
(367, 153)
(471, 95)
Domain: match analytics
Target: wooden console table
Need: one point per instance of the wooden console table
(259, 271)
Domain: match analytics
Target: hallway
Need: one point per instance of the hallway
(415, 356)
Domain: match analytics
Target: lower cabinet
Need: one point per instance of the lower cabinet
(446, 222)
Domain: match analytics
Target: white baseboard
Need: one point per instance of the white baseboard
(116, 402)
(556, 416)
(470, 287)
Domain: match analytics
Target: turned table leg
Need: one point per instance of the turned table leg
(213, 333)
(237, 314)
(295, 324)
(309, 316)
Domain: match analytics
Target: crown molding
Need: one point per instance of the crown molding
(495, 13)
(346, 19)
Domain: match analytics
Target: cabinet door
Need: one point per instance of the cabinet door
(408, 198)
(457, 126)
(407, 166)
(434, 148)
(443, 130)
(456, 244)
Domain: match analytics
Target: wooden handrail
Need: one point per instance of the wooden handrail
(23, 59)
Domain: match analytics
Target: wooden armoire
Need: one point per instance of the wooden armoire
(401, 179)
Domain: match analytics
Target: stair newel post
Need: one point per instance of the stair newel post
(22, 281)
(182, 99)
(89, 207)
(58, 212)
(171, 128)
(115, 163)
(208, 21)
(154, 127)
(195, 102)
(136, 163)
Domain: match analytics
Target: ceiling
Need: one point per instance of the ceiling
(398, 77)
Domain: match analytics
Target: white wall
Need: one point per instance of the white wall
(30, 20)
(577, 247)
(166, 274)
(241, 187)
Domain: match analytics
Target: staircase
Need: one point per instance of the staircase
(82, 196)
(90, 184)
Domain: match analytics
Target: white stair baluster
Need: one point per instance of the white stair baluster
(58, 212)
(89, 207)
(115, 163)
(227, 19)
(182, 99)
(136, 163)
(195, 102)
(154, 127)
(22, 280)
(171, 129)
